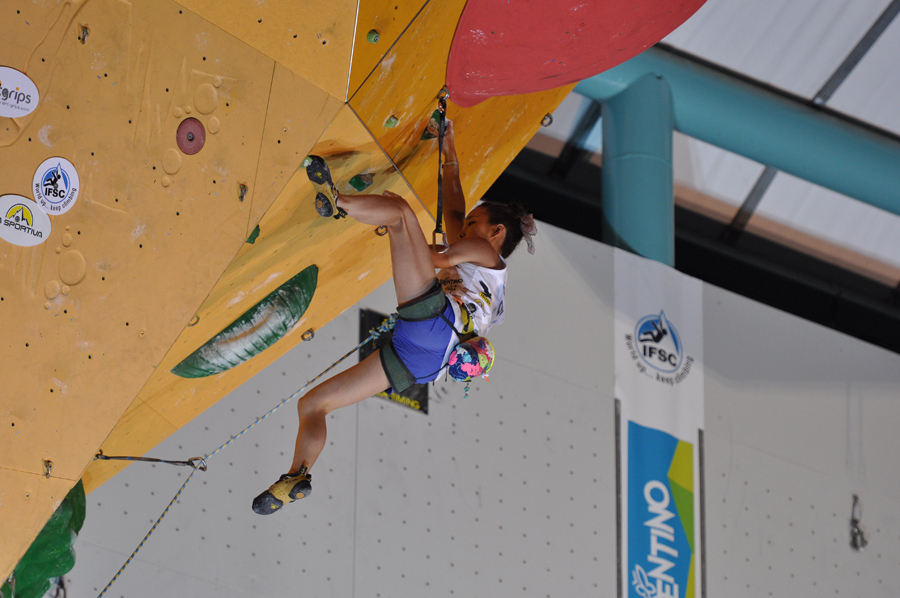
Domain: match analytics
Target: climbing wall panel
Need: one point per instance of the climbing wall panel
(488, 135)
(353, 261)
(101, 300)
(399, 98)
(378, 25)
(298, 113)
(312, 40)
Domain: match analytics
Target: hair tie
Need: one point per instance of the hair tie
(529, 229)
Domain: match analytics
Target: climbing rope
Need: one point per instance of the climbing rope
(374, 333)
(438, 228)
(152, 529)
(200, 462)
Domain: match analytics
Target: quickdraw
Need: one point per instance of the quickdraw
(438, 228)
(195, 462)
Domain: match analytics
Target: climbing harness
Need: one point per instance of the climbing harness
(438, 228)
(479, 349)
(200, 462)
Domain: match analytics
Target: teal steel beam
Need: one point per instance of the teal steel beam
(766, 126)
(638, 205)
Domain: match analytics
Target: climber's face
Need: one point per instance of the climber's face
(478, 224)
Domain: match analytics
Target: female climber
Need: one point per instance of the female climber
(435, 313)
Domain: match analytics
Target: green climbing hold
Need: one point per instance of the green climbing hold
(51, 554)
(391, 122)
(361, 182)
(258, 329)
(373, 36)
(252, 238)
(431, 126)
(306, 162)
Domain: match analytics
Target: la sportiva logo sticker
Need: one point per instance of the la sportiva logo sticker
(658, 350)
(18, 94)
(56, 186)
(21, 222)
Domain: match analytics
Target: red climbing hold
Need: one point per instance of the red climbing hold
(507, 48)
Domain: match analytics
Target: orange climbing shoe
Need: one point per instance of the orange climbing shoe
(288, 488)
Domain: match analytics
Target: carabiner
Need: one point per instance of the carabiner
(200, 463)
(444, 246)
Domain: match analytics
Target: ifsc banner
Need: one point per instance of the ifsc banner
(659, 385)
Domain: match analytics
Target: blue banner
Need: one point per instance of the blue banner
(660, 514)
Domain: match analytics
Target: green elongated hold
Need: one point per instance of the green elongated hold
(51, 554)
(259, 328)
(361, 182)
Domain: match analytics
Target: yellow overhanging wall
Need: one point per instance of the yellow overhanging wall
(152, 260)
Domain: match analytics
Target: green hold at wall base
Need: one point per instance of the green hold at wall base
(51, 555)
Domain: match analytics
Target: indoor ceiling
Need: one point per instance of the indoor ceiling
(836, 54)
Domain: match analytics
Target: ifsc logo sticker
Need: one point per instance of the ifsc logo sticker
(21, 222)
(658, 350)
(56, 186)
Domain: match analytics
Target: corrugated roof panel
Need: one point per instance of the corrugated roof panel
(795, 45)
(833, 217)
(713, 171)
(870, 92)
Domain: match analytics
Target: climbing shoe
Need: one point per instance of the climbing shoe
(325, 208)
(318, 172)
(288, 488)
(323, 205)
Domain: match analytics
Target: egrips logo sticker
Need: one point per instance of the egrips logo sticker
(18, 94)
(21, 222)
(56, 186)
(658, 351)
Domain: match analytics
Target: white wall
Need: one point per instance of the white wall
(798, 419)
(512, 492)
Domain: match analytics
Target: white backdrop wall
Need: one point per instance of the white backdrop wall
(512, 492)
(798, 419)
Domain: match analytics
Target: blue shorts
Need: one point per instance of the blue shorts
(421, 338)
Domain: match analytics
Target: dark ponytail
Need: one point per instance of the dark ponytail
(510, 216)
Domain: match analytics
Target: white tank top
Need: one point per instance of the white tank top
(478, 294)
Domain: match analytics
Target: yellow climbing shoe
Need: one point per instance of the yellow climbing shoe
(288, 488)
